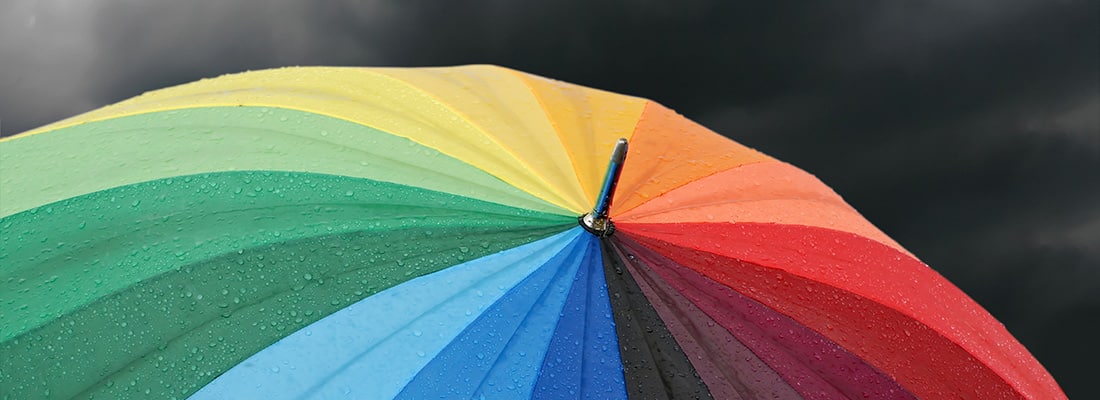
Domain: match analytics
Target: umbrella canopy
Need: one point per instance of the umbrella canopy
(413, 233)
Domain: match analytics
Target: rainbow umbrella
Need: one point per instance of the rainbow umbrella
(455, 232)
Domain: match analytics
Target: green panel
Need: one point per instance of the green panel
(167, 337)
(51, 166)
(57, 258)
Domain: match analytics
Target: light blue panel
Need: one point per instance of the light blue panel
(499, 355)
(371, 349)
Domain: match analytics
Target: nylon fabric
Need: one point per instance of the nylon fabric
(588, 122)
(729, 369)
(365, 96)
(583, 358)
(164, 144)
(373, 348)
(654, 364)
(475, 93)
(205, 317)
(668, 151)
(822, 369)
(105, 241)
(884, 306)
(500, 354)
(766, 192)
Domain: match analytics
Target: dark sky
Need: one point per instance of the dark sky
(968, 130)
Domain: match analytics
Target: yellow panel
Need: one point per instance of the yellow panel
(377, 99)
(589, 122)
(502, 107)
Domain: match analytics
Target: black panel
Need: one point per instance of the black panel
(655, 366)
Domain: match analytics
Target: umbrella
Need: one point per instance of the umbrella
(455, 232)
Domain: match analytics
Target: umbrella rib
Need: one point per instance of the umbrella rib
(688, 182)
(544, 183)
(412, 167)
(755, 331)
(415, 167)
(542, 296)
(584, 333)
(557, 131)
(693, 330)
(204, 324)
(696, 206)
(637, 308)
(234, 211)
(332, 375)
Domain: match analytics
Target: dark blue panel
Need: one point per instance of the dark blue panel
(374, 347)
(583, 359)
(499, 354)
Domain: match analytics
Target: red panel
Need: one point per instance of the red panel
(881, 304)
(816, 367)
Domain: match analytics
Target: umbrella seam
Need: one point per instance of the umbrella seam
(557, 130)
(870, 300)
(545, 184)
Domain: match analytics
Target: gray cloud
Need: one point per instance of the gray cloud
(981, 118)
(45, 50)
(66, 57)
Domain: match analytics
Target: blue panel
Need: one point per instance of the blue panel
(371, 349)
(583, 359)
(499, 355)
(603, 376)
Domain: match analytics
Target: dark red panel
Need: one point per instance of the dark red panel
(654, 365)
(879, 303)
(816, 367)
(730, 370)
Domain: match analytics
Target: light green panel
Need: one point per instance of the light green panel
(52, 166)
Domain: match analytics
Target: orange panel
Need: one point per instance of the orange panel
(668, 151)
(588, 123)
(769, 192)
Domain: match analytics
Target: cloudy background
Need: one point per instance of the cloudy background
(969, 130)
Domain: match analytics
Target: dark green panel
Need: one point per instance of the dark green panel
(58, 257)
(161, 286)
(169, 336)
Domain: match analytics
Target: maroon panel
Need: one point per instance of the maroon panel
(815, 366)
(654, 365)
(729, 369)
(879, 303)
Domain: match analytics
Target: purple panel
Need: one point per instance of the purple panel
(814, 366)
(729, 369)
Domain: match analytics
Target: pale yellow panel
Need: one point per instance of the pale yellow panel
(589, 122)
(377, 99)
(500, 105)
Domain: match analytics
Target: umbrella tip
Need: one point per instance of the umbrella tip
(597, 221)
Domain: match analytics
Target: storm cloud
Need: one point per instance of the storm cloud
(981, 117)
